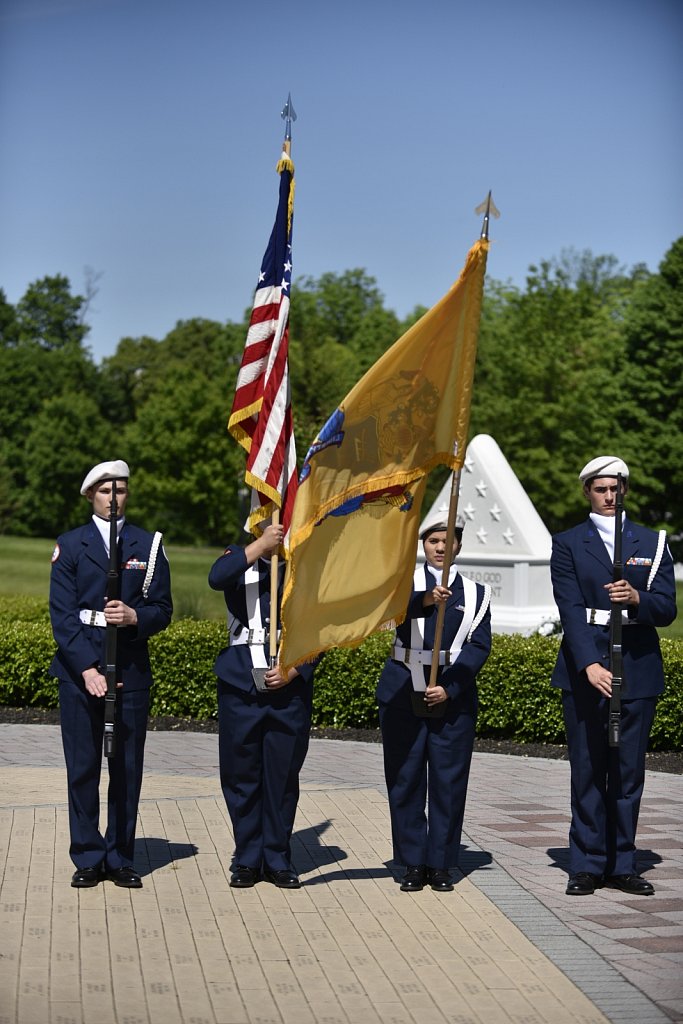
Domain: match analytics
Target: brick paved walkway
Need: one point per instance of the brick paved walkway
(348, 948)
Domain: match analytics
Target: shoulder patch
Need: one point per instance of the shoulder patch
(55, 554)
(228, 551)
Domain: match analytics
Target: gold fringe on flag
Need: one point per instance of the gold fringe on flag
(285, 163)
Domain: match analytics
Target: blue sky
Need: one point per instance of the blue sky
(139, 139)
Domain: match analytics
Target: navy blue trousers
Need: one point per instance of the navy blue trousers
(263, 741)
(606, 782)
(82, 719)
(427, 761)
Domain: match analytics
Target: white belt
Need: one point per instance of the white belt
(601, 617)
(252, 637)
(92, 618)
(421, 657)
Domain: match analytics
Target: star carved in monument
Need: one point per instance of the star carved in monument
(481, 489)
(482, 535)
(509, 536)
(496, 512)
(469, 510)
(469, 464)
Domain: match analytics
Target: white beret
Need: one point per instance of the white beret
(604, 465)
(117, 470)
(437, 519)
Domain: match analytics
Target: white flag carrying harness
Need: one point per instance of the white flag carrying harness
(255, 636)
(415, 656)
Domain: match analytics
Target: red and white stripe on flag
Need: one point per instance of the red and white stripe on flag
(261, 417)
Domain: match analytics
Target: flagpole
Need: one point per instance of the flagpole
(288, 115)
(488, 208)
(274, 568)
(447, 560)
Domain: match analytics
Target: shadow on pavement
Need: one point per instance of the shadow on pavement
(151, 854)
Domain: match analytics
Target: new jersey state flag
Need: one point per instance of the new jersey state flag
(354, 531)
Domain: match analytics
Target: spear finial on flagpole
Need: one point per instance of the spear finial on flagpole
(487, 207)
(288, 115)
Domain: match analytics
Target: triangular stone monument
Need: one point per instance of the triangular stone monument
(505, 542)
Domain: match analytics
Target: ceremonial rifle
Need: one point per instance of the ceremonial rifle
(112, 636)
(616, 626)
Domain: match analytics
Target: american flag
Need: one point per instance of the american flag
(261, 416)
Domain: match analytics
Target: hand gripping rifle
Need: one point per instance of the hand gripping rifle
(615, 627)
(112, 636)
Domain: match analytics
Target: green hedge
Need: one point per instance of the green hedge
(515, 699)
(23, 609)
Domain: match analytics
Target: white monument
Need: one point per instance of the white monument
(505, 542)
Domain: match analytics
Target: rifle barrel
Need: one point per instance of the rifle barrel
(616, 625)
(109, 743)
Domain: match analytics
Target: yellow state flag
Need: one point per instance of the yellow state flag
(353, 536)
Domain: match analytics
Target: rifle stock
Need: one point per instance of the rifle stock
(615, 628)
(112, 630)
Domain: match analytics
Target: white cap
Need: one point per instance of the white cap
(437, 519)
(117, 470)
(604, 465)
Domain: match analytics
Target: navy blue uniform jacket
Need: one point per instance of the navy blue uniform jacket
(79, 580)
(395, 683)
(580, 567)
(233, 664)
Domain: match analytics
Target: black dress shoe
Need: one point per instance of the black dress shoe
(583, 883)
(634, 885)
(440, 879)
(414, 878)
(126, 877)
(85, 878)
(285, 879)
(244, 877)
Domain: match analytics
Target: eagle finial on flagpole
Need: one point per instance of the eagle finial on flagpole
(487, 207)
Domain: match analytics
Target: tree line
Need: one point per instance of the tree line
(586, 358)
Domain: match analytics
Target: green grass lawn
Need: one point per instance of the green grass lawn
(25, 565)
(25, 569)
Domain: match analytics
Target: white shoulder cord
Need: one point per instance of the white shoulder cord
(661, 543)
(482, 610)
(151, 562)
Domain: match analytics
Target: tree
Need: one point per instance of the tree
(186, 472)
(338, 329)
(9, 323)
(651, 396)
(586, 358)
(66, 438)
(42, 357)
(545, 377)
(50, 316)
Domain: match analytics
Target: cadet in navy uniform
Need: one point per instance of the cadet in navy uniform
(424, 755)
(79, 613)
(263, 736)
(607, 782)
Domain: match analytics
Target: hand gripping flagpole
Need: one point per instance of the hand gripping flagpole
(437, 710)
